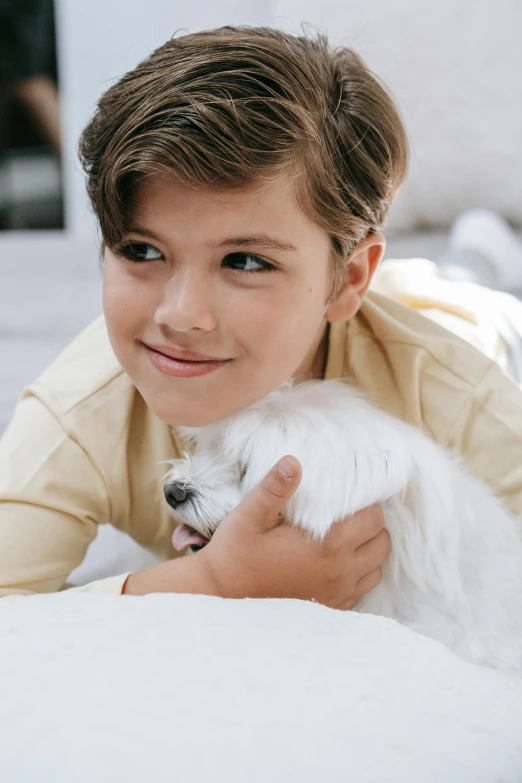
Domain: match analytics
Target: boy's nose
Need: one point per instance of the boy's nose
(188, 303)
(175, 493)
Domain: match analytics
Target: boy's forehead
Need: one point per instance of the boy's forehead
(161, 203)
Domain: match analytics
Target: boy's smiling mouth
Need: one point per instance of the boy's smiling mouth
(181, 363)
(183, 354)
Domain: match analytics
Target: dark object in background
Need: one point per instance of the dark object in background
(30, 171)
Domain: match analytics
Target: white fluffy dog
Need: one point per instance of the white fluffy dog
(455, 568)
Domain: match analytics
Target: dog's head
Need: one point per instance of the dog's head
(201, 489)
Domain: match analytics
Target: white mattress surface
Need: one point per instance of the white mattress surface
(197, 689)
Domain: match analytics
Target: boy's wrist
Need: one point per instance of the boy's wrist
(182, 575)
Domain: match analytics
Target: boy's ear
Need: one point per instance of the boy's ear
(360, 269)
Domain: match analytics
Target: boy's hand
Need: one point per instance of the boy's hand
(255, 553)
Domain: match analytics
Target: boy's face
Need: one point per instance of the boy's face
(213, 283)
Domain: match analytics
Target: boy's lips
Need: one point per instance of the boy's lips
(181, 363)
(183, 354)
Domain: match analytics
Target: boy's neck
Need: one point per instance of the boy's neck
(314, 365)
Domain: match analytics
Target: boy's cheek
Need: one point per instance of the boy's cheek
(126, 313)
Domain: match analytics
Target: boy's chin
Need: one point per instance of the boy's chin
(184, 413)
(186, 410)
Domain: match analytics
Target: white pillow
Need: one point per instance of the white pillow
(206, 690)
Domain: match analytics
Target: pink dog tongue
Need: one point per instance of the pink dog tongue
(184, 536)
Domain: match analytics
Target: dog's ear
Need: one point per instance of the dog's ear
(318, 501)
(351, 457)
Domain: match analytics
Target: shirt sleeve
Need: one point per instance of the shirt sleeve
(113, 585)
(52, 497)
(488, 436)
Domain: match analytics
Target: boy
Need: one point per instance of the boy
(241, 178)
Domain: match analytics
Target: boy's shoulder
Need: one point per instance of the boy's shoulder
(409, 365)
(85, 372)
(402, 331)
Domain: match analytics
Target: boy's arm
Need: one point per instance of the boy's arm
(488, 435)
(51, 498)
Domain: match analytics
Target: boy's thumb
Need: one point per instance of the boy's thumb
(263, 505)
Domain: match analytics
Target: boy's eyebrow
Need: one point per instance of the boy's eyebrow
(259, 240)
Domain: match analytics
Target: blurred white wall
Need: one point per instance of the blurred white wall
(453, 66)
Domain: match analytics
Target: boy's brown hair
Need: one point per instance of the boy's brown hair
(233, 106)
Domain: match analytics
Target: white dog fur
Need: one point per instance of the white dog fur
(455, 568)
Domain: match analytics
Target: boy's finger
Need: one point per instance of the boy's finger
(264, 504)
(365, 525)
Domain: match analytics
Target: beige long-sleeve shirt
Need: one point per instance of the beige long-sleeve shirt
(83, 449)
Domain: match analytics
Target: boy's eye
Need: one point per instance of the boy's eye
(140, 251)
(240, 262)
(246, 262)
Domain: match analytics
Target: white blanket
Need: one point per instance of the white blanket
(195, 689)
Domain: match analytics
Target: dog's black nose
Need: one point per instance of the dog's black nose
(175, 493)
